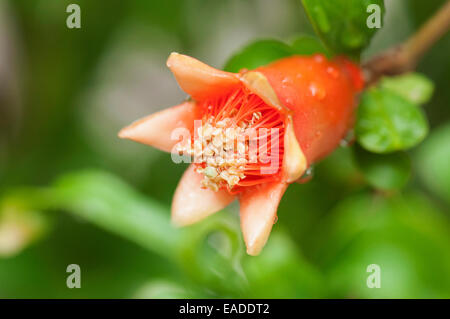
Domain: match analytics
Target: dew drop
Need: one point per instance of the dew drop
(319, 58)
(286, 80)
(313, 89)
(317, 91)
(309, 172)
(348, 139)
(331, 70)
(307, 176)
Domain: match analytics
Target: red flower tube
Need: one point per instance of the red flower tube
(250, 133)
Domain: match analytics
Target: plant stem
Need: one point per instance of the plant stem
(404, 57)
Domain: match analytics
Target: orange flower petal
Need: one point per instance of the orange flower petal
(257, 83)
(156, 129)
(199, 80)
(258, 213)
(321, 94)
(192, 203)
(294, 162)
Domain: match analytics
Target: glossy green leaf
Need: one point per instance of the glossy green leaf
(384, 171)
(343, 24)
(387, 122)
(308, 45)
(263, 52)
(414, 87)
(257, 54)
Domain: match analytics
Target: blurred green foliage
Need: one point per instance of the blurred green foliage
(384, 171)
(73, 193)
(433, 162)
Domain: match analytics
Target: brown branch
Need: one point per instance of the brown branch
(404, 57)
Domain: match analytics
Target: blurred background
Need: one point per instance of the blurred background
(71, 192)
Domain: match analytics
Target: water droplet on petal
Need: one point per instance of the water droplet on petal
(275, 219)
(319, 58)
(348, 139)
(333, 71)
(286, 80)
(317, 91)
(313, 89)
(307, 176)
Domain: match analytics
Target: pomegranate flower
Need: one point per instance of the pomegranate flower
(250, 134)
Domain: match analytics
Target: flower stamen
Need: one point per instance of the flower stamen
(236, 141)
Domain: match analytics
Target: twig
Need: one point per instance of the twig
(404, 57)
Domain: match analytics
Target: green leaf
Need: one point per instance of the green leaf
(342, 24)
(387, 122)
(414, 87)
(384, 171)
(107, 202)
(257, 54)
(263, 52)
(434, 162)
(308, 45)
